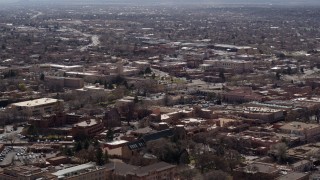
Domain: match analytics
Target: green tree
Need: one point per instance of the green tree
(86, 144)
(136, 99)
(289, 70)
(216, 175)
(78, 146)
(100, 159)
(280, 151)
(80, 136)
(106, 157)
(42, 77)
(22, 87)
(110, 86)
(148, 70)
(68, 151)
(188, 174)
(110, 135)
(222, 76)
(278, 76)
(32, 130)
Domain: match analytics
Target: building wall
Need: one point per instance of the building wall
(167, 174)
(91, 130)
(39, 109)
(90, 175)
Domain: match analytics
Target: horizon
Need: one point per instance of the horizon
(164, 2)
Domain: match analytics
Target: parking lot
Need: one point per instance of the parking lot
(7, 155)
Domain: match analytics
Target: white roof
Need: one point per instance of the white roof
(113, 143)
(36, 102)
(65, 172)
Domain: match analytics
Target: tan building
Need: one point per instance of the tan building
(60, 82)
(303, 130)
(87, 171)
(157, 171)
(257, 170)
(295, 176)
(25, 173)
(237, 66)
(242, 96)
(38, 107)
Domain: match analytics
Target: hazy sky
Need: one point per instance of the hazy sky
(290, 2)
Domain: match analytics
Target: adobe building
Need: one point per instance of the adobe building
(160, 170)
(38, 107)
(303, 130)
(90, 127)
(67, 82)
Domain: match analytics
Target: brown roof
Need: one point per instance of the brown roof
(161, 166)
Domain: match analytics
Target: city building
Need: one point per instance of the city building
(25, 173)
(87, 171)
(90, 127)
(38, 107)
(61, 82)
(235, 66)
(157, 171)
(303, 130)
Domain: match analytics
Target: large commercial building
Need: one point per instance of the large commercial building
(236, 66)
(89, 127)
(38, 107)
(157, 171)
(25, 173)
(303, 130)
(87, 171)
(54, 82)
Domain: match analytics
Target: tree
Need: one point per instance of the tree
(22, 87)
(100, 159)
(278, 76)
(148, 70)
(153, 76)
(280, 151)
(42, 77)
(68, 151)
(222, 76)
(205, 161)
(80, 136)
(136, 99)
(110, 135)
(32, 130)
(12, 138)
(188, 174)
(86, 144)
(216, 175)
(78, 146)
(289, 70)
(110, 86)
(167, 151)
(106, 157)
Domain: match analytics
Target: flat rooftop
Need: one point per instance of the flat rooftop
(69, 171)
(87, 123)
(114, 143)
(298, 126)
(36, 102)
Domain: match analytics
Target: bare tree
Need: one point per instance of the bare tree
(280, 151)
(12, 138)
